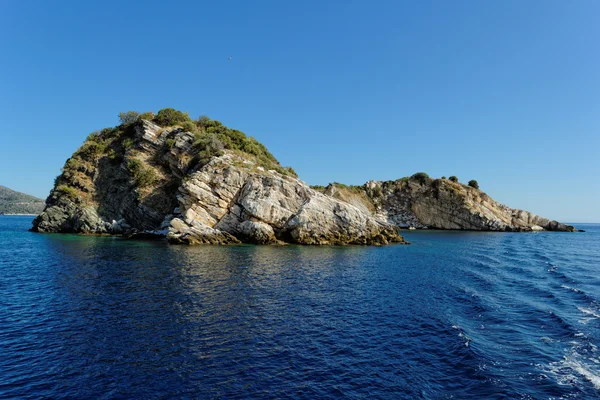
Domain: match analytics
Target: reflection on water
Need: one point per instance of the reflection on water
(455, 315)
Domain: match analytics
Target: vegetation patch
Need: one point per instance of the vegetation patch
(74, 164)
(207, 145)
(68, 191)
(474, 184)
(91, 149)
(355, 195)
(212, 137)
(420, 177)
(376, 192)
(169, 143)
(128, 117)
(143, 176)
(189, 126)
(149, 116)
(171, 117)
(351, 188)
(127, 143)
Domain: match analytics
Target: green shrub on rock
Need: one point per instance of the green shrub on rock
(149, 116)
(453, 178)
(91, 149)
(203, 121)
(73, 164)
(170, 117)
(474, 184)
(115, 157)
(70, 192)
(208, 145)
(108, 133)
(290, 171)
(232, 139)
(143, 176)
(127, 143)
(189, 126)
(420, 177)
(95, 136)
(169, 143)
(128, 117)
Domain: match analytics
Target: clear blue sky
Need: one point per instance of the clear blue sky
(505, 92)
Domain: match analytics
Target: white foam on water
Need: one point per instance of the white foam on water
(592, 376)
(552, 267)
(574, 368)
(585, 320)
(462, 335)
(589, 312)
(572, 289)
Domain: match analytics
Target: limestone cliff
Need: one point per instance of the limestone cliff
(439, 204)
(199, 182)
(212, 185)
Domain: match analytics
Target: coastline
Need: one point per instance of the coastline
(19, 215)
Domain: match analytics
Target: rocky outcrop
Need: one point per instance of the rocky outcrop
(99, 193)
(443, 204)
(226, 199)
(230, 200)
(208, 184)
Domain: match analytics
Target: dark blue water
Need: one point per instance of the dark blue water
(455, 315)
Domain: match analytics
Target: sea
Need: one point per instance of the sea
(454, 315)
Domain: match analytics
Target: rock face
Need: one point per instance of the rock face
(216, 186)
(227, 199)
(443, 204)
(225, 203)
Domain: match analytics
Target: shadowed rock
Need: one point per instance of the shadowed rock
(227, 199)
(216, 186)
(442, 204)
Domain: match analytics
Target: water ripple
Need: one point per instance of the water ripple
(467, 315)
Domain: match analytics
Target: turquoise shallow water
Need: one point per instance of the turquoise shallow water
(453, 316)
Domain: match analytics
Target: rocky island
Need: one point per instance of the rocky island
(197, 181)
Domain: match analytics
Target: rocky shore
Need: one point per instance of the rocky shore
(440, 204)
(199, 182)
(229, 198)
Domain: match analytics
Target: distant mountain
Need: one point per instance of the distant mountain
(12, 202)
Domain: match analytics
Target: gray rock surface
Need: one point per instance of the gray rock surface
(443, 204)
(226, 195)
(257, 232)
(228, 200)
